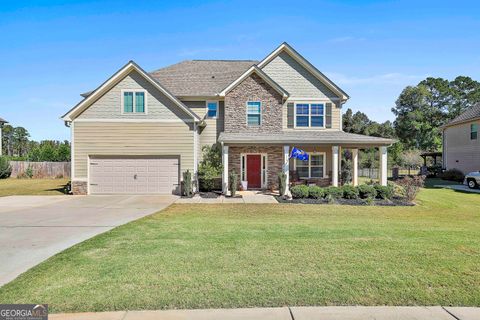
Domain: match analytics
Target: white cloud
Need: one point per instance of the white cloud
(386, 78)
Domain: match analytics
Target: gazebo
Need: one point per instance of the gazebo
(434, 156)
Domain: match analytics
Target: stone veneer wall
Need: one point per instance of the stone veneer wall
(274, 161)
(79, 187)
(253, 88)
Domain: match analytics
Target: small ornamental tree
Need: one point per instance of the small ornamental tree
(210, 167)
(282, 183)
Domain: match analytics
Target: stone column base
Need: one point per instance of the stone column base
(79, 187)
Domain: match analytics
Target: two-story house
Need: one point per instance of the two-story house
(138, 131)
(461, 144)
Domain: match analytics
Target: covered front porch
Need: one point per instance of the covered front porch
(259, 161)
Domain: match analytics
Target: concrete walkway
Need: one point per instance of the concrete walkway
(245, 197)
(458, 187)
(287, 313)
(34, 228)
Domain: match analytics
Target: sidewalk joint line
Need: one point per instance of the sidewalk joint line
(291, 313)
(125, 315)
(450, 313)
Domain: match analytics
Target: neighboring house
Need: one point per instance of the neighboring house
(461, 142)
(2, 122)
(138, 131)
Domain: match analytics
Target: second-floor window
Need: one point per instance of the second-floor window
(133, 101)
(254, 113)
(310, 115)
(473, 131)
(212, 109)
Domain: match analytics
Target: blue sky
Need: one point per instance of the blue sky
(51, 51)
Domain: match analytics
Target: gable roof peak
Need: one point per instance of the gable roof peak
(285, 47)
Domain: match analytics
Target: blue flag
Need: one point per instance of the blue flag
(299, 154)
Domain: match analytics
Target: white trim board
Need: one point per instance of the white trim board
(261, 74)
(112, 81)
(133, 120)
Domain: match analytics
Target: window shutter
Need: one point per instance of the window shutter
(290, 114)
(328, 115)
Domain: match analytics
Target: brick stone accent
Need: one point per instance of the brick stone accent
(253, 88)
(79, 187)
(274, 161)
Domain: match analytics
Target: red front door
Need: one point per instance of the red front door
(254, 165)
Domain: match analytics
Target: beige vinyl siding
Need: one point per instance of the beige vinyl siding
(209, 134)
(336, 114)
(131, 138)
(460, 151)
(158, 106)
(295, 79)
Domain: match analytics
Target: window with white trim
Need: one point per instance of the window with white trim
(134, 101)
(212, 109)
(313, 168)
(254, 113)
(310, 115)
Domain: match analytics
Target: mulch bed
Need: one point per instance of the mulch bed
(349, 202)
(209, 195)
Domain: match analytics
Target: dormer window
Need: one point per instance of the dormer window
(310, 115)
(212, 109)
(133, 101)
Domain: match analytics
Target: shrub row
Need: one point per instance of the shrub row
(347, 192)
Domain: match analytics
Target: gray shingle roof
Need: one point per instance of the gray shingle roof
(469, 114)
(201, 77)
(304, 137)
(3, 121)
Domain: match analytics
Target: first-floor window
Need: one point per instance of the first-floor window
(312, 168)
(473, 131)
(134, 101)
(254, 113)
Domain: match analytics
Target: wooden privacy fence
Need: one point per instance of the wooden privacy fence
(44, 169)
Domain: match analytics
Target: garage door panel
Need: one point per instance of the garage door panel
(134, 175)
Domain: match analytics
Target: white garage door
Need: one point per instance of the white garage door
(134, 175)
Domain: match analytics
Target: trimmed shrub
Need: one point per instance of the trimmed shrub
(299, 192)
(5, 168)
(384, 192)
(315, 192)
(187, 184)
(333, 192)
(366, 191)
(452, 175)
(350, 192)
(282, 183)
(233, 179)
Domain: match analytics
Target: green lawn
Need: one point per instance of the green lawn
(215, 256)
(10, 187)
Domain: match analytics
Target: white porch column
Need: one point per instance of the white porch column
(225, 169)
(286, 166)
(355, 166)
(335, 166)
(383, 165)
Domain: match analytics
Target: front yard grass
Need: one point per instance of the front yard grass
(219, 256)
(13, 186)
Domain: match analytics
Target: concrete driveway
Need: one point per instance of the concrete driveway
(34, 228)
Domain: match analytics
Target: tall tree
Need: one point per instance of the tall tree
(422, 109)
(20, 141)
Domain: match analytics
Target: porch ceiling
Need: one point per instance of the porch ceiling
(326, 137)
